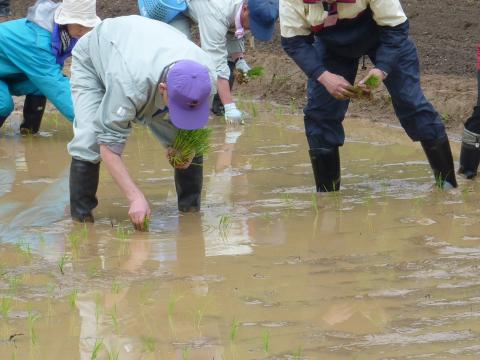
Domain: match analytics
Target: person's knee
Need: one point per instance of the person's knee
(6, 106)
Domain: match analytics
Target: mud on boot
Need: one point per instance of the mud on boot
(84, 177)
(33, 110)
(440, 158)
(188, 183)
(326, 168)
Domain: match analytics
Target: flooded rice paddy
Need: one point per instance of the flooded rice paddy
(388, 268)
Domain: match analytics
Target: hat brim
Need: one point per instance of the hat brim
(260, 32)
(189, 119)
(62, 18)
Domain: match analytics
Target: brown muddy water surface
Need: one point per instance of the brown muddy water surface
(385, 269)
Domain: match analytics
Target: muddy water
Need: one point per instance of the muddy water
(385, 269)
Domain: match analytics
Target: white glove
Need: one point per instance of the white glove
(242, 66)
(232, 134)
(232, 114)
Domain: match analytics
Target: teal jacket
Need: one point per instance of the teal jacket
(28, 65)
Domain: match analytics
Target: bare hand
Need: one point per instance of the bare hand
(185, 165)
(337, 86)
(375, 72)
(139, 210)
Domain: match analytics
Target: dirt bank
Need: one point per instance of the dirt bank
(445, 34)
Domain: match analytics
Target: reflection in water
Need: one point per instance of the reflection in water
(267, 269)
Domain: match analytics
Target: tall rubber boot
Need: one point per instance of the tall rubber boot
(326, 168)
(440, 157)
(470, 154)
(217, 105)
(2, 120)
(33, 110)
(188, 183)
(84, 177)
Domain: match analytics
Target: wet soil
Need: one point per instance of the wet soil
(385, 269)
(446, 34)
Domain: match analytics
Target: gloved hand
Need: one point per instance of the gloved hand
(232, 114)
(242, 66)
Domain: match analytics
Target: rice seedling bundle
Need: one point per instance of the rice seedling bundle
(188, 144)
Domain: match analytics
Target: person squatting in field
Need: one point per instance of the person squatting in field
(326, 39)
(222, 25)
(470, 153)
(135, 70)
(32, 53)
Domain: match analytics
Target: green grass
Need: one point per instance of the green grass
(188, 144)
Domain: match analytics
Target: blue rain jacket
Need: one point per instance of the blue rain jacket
(29, 66)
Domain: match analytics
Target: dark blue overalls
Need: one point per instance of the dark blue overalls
(391, 50)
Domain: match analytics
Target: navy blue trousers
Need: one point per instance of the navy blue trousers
(324, 114)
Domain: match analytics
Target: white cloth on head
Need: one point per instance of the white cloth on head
(82, 12)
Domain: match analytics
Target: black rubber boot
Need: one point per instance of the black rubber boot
(217, 105)
(33, 110)
(188, 183)
(2, 120)
(440, 157)
(326, 168)
(469, 161)
(84, 177)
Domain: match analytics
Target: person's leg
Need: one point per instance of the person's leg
(87, 94)
(470, 152)
(6, 102)
(323, 125)
(418, 117)
(4, 8)
(188, 183)
(33, 107)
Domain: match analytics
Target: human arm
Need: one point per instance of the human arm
(30, 52)
(139, 208)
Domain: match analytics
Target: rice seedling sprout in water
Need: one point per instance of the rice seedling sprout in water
(96, 349)
(31, 319)
(114, 317)
(266, 341)
(188, 144)
(114, 354)
(234, 330)
(72, 299)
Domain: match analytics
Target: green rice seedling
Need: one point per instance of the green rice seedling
(186, 353)
(25, 249)
(371, 83)
(149, 344)
(234, 330)
(31, 319)
(188, 144)
(84, 232)
(114, 317)
(266, 341)
(293, 105)
(74, 240)
(114, 355)
(61, 264)
(146, 224)
(256, 71)
(116, 287)
(5, 307)
(97, 347)
(14, 282)
(224, 223)
(92, 271)
(72, 299)
(297, 355)
(254, 111)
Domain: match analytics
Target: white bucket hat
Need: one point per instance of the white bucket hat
(81, 12)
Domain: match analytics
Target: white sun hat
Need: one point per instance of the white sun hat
(81, 12)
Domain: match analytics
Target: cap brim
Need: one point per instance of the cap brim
(61, 18)
(260, 32)
(189, 119)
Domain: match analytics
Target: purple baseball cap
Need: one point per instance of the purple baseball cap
(188, 89)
